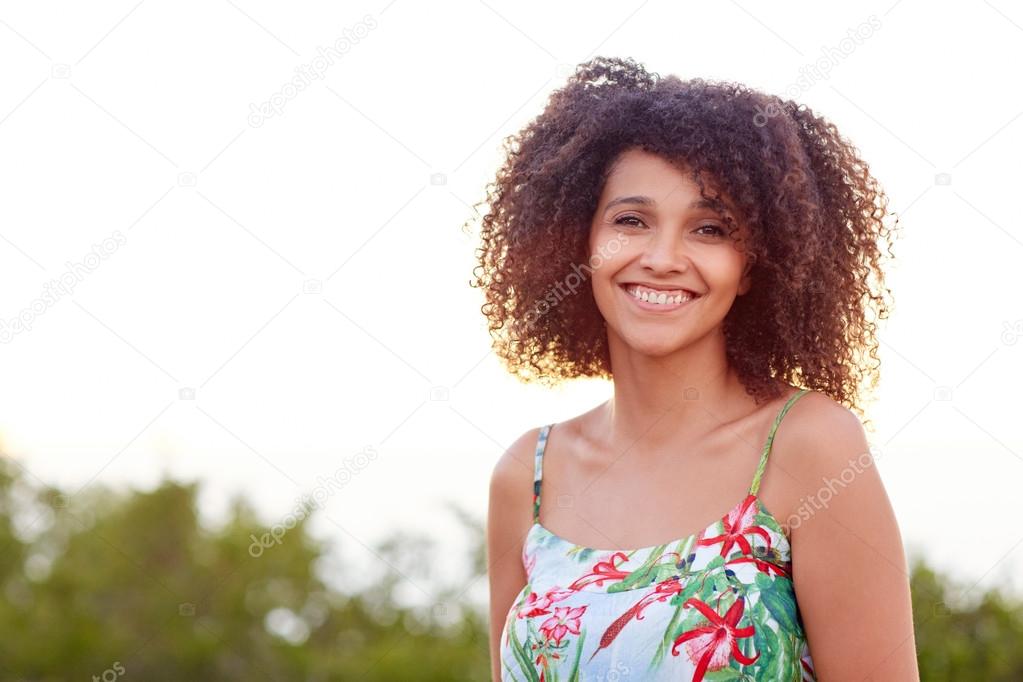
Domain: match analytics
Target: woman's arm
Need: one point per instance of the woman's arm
(849, 567)
(508, 520)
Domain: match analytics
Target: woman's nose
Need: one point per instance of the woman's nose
(664, 252)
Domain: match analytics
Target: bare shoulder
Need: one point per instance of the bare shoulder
(816, 440)
(826, 445)
(819, 435)
(515, 464)
(849, 565)
(508, 521)
(511, 481)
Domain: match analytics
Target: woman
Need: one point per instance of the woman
(716, 253)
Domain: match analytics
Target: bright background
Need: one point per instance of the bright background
(290, 293)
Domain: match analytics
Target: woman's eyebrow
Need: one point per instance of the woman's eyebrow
(647, 201)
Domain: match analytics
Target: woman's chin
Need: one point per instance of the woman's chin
(653, 346)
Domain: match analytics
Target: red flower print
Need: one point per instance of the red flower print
(807, 665)
(737, 524)
(661, 592)
(536, 605)
(764, 566)
(550, 648)
(603, 571)
(557, 594)
(565, 619)
(712, 646)
(528, 560)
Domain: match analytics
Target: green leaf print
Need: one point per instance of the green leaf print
(780, 602)
(765, 640)
(521, 653)
(511, 673)
(668, 638)
(724, 674)
(643, 575)
(691, 588)
(716, 562)
(781, 650)
(767, 521)
(574, 675)
(789, 657)
(580, 553)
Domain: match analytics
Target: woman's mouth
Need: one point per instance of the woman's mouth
(657, 300)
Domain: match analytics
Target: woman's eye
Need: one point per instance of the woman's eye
(634, 221)
(621, 221)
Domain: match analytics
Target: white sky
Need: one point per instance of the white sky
(133, 119)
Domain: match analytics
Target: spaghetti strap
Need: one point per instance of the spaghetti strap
(541, 444)
(755, 486)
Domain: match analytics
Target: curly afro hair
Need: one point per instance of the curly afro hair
(815, 217)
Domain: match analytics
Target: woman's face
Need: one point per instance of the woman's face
(651, 237)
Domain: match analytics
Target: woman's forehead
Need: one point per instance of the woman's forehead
(635, 167)
(664, 183)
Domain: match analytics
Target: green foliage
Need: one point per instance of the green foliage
(100, 585)
(963, 635)
(103, 585)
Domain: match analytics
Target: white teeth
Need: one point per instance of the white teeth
(658, 298)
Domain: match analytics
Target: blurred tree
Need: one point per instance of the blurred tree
(961, 639)
(103, 585)
(108, 585)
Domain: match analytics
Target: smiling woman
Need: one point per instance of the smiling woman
(642, 278)
(734, 264)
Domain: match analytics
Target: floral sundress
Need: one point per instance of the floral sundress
(716, 605)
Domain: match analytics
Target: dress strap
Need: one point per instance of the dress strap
(541, 444)
(770, 440)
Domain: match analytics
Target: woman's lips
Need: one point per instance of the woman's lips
(656, 307)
